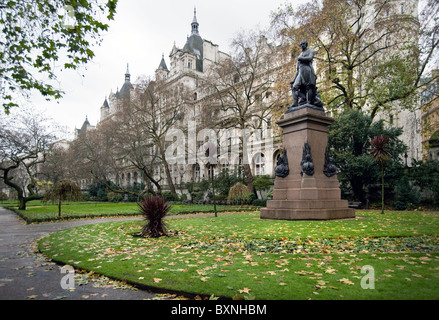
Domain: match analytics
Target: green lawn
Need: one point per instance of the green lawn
(243, 256)
(37, 211)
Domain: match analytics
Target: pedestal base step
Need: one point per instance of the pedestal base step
(307, 214)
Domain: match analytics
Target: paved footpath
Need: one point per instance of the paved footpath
(26, 275)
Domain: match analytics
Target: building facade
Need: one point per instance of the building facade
(430, 118)
(189, 67)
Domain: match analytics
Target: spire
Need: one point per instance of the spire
(163, 63)
(127, 74)
(105, 104)
(194, 23)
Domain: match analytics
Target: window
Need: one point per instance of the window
(402, 8)
(224, 164)
(189, 64)
(259, 164)
(197, 173)
(211, 172)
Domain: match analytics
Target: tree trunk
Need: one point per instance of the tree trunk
(168, 173)
(59, 207)
(147, 179)
(249, 178)
(21, 203)
(213, 191)
(20, 194)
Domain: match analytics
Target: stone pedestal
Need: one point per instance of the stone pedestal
(301, 196)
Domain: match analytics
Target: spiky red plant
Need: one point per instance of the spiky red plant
(154, 209)
(379, 151)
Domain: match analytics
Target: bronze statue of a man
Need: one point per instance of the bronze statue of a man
(304, 84)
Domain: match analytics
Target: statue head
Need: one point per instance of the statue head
(304, 44)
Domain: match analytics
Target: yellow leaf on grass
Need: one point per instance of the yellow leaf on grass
(345, 281)
(157, 280)
(245, 290)
(330, 270)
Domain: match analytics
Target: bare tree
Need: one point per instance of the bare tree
(25, 141)
(58, 164)
(158, 107)
(134, 137)
(241, 88)
(99, 155)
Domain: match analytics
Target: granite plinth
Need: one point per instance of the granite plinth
(299, 196)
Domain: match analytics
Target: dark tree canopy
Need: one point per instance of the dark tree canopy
(350, 139)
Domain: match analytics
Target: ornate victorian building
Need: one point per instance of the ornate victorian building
(188, 67)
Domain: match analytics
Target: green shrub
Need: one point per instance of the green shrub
(407, 197)
(239, 194)
(260, 202)
(170, 197)
(114, 197)
(3, 196)
(425, 175)
(262, 183)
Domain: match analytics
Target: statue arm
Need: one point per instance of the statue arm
(306, 56)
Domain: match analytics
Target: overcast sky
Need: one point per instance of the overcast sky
(141, 32)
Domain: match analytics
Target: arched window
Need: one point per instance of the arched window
(197, 172)
(259, 164)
